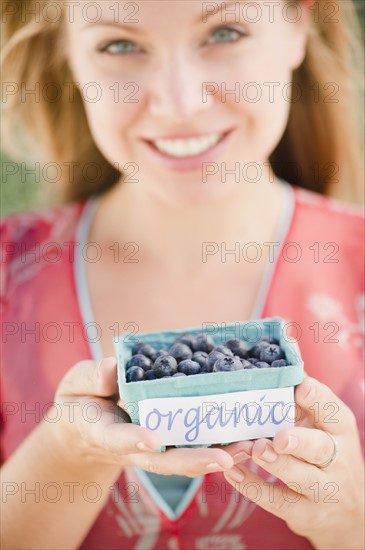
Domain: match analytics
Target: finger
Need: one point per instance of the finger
(102, 424)
(190, 462)
(323, 407)
(281, 501)
(289, 469)
(241, 450)
(313, 446)
(91, 378)
(131, 444)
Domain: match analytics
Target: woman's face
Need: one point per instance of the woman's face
(194, 95)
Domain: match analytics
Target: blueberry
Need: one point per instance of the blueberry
(180, 352)
(158, 354)
(212, 358)
(140, 360)
(187, 339)
(257, 348)
(246, 364)
(191, 355)
(238, 347)
(224, 350)
(227, 364)
(271, 353)
(279, 363)
(200, 357)
(149, 375)
(262, 365)
(189, 367)
(166, 365)
(134, 374)
(203, 343)
(144, 348)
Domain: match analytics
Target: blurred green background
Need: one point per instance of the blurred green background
(20, 185)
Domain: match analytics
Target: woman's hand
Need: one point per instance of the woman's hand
(96, 428)
(322, 499)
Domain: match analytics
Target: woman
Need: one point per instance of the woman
(178, 121)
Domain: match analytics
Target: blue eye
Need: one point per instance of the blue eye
(226, 34)
(119, 47)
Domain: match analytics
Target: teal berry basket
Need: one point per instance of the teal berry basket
(208, 384)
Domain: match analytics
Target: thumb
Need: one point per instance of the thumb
(91, 378)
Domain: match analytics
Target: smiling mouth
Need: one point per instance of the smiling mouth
(182, 148)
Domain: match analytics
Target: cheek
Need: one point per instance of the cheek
(111, 105)
(262, 92)
(260, 78)
(111, 96)
(117, 104)
(109, 121)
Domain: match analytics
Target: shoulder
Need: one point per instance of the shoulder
(31, 240)
(52, 223)
(321, 206)
(328, 217)
(331, 236)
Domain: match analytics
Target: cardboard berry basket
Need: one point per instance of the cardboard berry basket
(217, 407)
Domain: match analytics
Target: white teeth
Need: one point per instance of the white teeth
(186, 147)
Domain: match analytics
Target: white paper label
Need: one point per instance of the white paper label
(219, 418)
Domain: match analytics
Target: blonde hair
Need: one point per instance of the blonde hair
(321, 149)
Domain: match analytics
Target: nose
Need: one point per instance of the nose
(178, 89)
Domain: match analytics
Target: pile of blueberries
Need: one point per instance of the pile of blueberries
(198, 355)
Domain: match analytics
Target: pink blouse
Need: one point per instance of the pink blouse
(315, 282)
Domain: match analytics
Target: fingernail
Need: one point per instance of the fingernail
(141, 446)
(235, 474)
(269, 455)
(292, 444)
(214, 467)
(98, 368)
(246, 447)
(238, 457)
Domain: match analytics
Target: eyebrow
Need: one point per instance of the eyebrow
(135, 30)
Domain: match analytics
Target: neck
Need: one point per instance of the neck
(185, 239)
